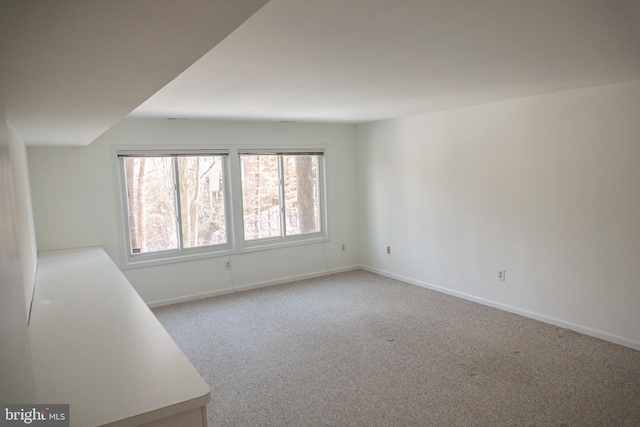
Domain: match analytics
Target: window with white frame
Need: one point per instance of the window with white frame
(176, 202)
(281, 194)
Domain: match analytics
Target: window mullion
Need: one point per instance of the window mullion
(281, 195)
(176, 193)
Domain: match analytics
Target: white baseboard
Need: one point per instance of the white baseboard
(541, 317)
(290, 279)
(256, 285)
(187, 298)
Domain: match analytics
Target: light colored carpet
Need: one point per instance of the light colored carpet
(358, 349)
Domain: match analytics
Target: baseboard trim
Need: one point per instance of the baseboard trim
(191, 297)
(256, 285)
(290, 279)
(532, 315)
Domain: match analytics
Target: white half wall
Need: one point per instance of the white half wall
(546, 188)
(76, 202)
(17, 271)
(25, 228)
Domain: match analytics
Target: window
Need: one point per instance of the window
(175, 202)
(179, 204)
(280, 194)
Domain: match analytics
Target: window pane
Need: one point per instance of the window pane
(152, 210)
(301, 194)
(260, 196)
(202, 201)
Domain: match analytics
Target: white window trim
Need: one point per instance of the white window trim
(292, 240)
(233, 205)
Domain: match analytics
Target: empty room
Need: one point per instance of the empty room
(289, 212)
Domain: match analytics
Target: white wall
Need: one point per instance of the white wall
(547, 188)
(25, 228)
(16, 271)
(76, 203)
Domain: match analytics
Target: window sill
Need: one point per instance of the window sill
(269, 244)
(264, 245)
(171, 258)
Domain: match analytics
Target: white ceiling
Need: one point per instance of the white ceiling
(363, 60)
(71, 68)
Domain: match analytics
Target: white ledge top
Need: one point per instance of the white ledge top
(97, 347)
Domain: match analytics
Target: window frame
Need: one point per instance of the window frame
(232, 187)
(284, 239)
(180, 253)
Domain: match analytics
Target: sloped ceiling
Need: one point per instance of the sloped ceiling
(70, 69)
(363, 60)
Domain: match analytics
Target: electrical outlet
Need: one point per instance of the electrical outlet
(343, 248)
(502, 275)
(227, 265)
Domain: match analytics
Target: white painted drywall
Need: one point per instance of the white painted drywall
(25, 228)
(16, 372)
(76, 203)
(547, 188)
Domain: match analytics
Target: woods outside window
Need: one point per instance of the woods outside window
(280, 194)
(179, 203)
